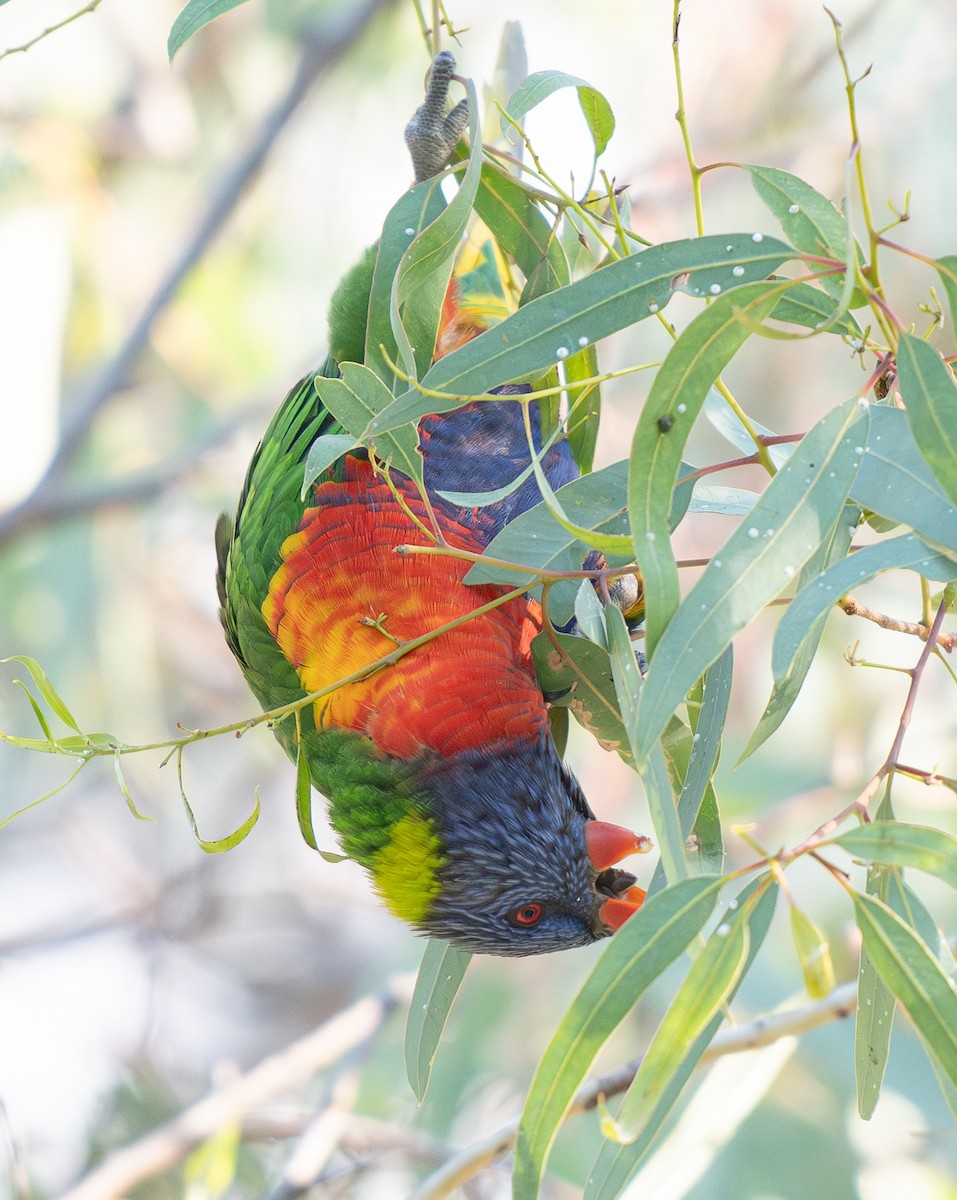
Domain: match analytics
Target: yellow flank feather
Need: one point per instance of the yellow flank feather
(406, 870)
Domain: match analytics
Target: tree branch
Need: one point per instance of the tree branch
(168, 1145)
(854, 608)
(322, 48)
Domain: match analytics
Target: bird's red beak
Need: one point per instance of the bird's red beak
(616, 912)
(606, 845)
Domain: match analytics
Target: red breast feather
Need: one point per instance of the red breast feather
(471, 687)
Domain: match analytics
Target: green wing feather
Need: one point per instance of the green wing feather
(248, 547)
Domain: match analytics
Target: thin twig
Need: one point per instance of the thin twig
(91, 7)
(171, 1143)
(853, 608)
(322, 49)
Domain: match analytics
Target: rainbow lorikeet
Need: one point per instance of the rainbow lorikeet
(440, 772)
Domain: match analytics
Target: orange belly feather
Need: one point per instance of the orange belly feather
(467, 688)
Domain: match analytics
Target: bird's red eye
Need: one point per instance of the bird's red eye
(528, 914)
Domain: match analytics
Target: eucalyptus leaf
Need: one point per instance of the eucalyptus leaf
(713, 977)
(898, 844)
(913, 974)
(895, 481)
(193, 17)
(440, 975)
(638, 953)
(788, 685)
(673, 404)
(800, 506)
(542, 84)
(552, 327)
(930, 393)
(617, 1161)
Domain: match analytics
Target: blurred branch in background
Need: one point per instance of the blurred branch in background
(170, 1144)
(334, 1124)
(50, 499)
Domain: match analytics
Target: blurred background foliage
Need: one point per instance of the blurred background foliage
(134, 970)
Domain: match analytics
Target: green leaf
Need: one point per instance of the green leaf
(728, 501)
(930, 393)
(915, 977)
(412, 213)
(304, 791)
(876, 1007)
(714, 975)
(545, 330)
(692, 758)
(723, 417)
(815, 599)
(805, 305)
(215, 845)
(637, 954)
(730, 1091)
(194, 16)
(788, 684)
(810, 221)
(584, 407)
(897, 844)
(440, 976)
(38, 714)
(947, 270)
(799, 508)
(324, 451)
(46, 689)
(895, 481)
(814, 955)
(46, 795)
(674, 402)
(582, 670)
(540, 85)
(615, 1161)
(521, 231)
(359, 394)
(125, 788)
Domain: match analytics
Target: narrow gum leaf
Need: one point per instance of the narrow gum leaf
(124, 788)
(896, 482)
(616, 1161)
(622, 293)
(815, 600)
(414, 211)
(46, 689)
(898, 844)
(542, 84)
(930, 393)
(440, 975)
(215, 845)
(713, 976)
(913, 974)
(637, 954)
(193, 17)
(676, 397)
(813, 953)
(304, 793)
(874, 1021)
(802, 502)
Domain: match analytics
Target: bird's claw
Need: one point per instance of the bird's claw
(433, 134)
